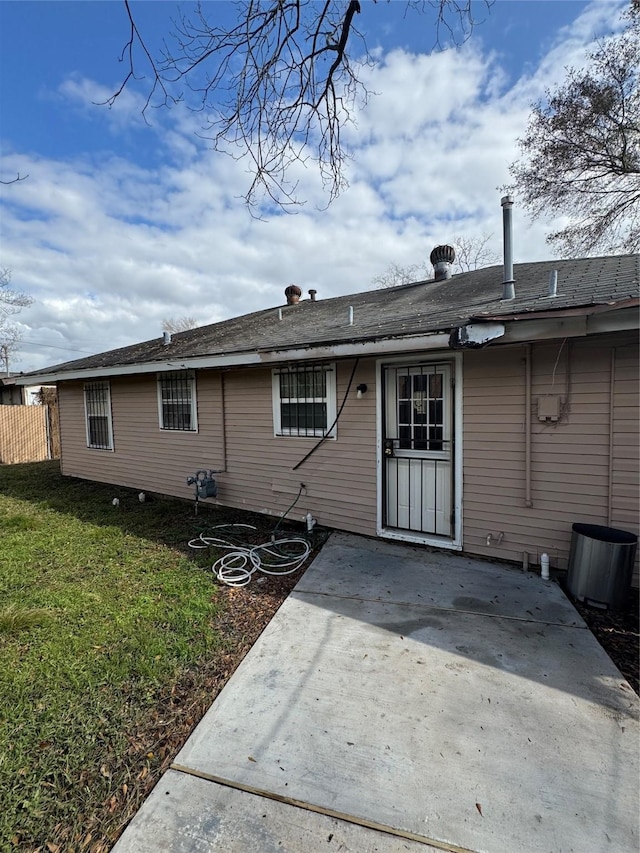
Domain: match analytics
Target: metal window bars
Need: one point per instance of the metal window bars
(177, 403)
(97, 407)
(303, 400)
(420, 412)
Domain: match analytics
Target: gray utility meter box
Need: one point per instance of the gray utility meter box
(206, 486)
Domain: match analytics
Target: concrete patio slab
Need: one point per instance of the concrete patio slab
(385, 571)
(441, 699)
(185, 814)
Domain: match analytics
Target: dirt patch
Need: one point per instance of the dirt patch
(157, 739)
(619, 636)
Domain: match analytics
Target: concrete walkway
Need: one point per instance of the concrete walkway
(402, 700)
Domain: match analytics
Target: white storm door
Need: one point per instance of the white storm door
(417, 446)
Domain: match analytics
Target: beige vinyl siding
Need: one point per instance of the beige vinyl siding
(143, 455)
(625, 469)
(571, 476)
(340, 478)
(570, 471)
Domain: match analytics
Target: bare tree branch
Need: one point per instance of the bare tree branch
(179, 324)
(134, 39)
(580, 156)
(15, 180)
(277, 86)
(11, 303)
(395, 274)
(473, 253)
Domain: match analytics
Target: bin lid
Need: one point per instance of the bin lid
(605, 534)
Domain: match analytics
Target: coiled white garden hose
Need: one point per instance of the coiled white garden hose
(237, 567)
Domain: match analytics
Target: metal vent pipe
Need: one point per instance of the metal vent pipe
(508, 289)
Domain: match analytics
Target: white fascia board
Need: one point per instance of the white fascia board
(620, 320)
(255, 358)
(163, 366)
(614, 321)
(522, 331)
(418, 343)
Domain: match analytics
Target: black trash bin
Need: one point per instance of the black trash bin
(601, 565)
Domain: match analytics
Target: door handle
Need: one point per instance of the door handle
(388, 447)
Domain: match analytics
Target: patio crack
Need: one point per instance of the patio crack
(530, 619)
(311, 807)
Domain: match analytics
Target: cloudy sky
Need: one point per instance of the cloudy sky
(122, 223)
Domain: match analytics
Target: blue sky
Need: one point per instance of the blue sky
(121, 224)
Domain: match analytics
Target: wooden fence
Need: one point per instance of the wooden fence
(28, 434)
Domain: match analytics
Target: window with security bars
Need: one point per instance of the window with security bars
(97, 407)
(304, 400)
(177, 401)
(421, 411)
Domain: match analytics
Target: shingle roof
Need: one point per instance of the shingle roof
(411, 309)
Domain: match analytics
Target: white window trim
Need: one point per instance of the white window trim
(191, 376)
(330, 400)
(90, 446)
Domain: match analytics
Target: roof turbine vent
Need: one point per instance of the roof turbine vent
(293, 294)
(442, 257)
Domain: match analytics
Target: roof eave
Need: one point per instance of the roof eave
(519, 326)
(556, 313)
(253, 358)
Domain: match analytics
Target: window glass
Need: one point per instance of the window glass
(97, 405)
(304, 400)
(177, 401)
(420, 410)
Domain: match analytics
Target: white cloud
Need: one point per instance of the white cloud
(110, 247)
(94, 98)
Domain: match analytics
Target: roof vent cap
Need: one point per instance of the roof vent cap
(442, 257)
(293, 294)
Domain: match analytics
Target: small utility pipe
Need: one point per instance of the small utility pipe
(527, 426)
(612, 379)
(223, 426)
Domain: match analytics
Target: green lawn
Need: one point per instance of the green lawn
(104, 617)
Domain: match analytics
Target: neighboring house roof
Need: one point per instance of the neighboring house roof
(420, 308)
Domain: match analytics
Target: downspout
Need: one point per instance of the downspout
(612, 378)
(527, 426)
(47, 430)
(223, 426)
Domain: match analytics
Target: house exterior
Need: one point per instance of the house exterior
(28, 430)
(484, 412)
(14, 394)
(10, 393)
